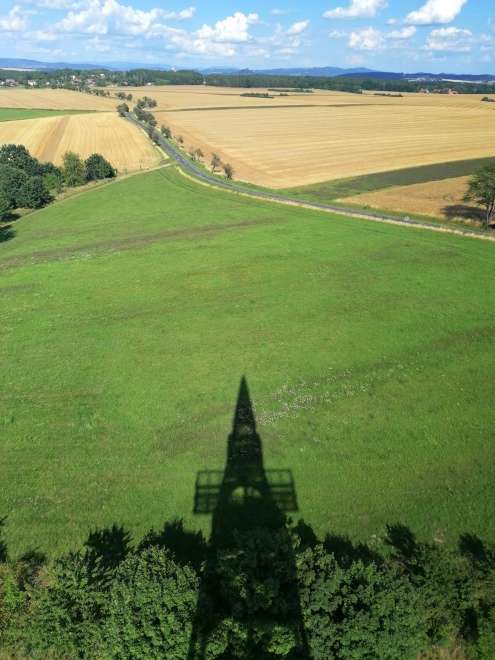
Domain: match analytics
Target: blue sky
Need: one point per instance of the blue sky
(398, 35)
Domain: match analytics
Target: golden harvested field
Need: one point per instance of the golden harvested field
(335, 135)
(48, 138)
(441, 199)
(53, 99)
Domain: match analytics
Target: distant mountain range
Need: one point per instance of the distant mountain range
(326, 71)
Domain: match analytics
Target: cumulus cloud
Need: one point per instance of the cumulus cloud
(15, 21)
(435, 12)
(111, 17)
(233, 29)
(357, 9)
(450, 39)
(366, 39)
(404, 33)
(298, 27)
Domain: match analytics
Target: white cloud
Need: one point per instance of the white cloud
(404, 33)
(111, 17)
(58, 4)
(280, 12)
(357, 9)
(233, 29)
(450, 39)
(337, 34)
(435, 12)
(15, 21)
(366, 39)
(298, 28)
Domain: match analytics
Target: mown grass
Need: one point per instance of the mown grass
(15, 114)
(328, 191)
(130, 313)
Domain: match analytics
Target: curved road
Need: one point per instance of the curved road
(191, 168)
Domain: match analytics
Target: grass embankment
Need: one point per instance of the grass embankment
(329, 191)
(130, 313)
(15, 114)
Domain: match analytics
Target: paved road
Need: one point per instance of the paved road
(193, 169)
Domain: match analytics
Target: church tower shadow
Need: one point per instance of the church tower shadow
(248, 606)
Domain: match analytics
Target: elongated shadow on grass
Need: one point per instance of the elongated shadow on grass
(463, 211)
(248, 596)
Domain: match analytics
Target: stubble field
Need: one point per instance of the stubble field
(442, 199)
(53, 99)
(291, 146)
(48, 138)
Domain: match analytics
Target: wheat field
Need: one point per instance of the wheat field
(48, 138)
(295, 146)
(306, 138)
(53, 99)
(436, 198)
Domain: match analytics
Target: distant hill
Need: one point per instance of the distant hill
(322, 72)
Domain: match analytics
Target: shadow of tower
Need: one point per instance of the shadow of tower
(248, 600)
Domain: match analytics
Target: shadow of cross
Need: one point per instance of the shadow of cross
(250, 553)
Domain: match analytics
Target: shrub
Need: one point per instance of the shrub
(98, 167)
(229, 170)
(73, 169)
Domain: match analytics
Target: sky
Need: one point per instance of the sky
(454, 36)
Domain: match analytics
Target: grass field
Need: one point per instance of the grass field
(441, 199)
(304, 139)
(53, 99)
(16, 114)
(130, 313)
(48, 138)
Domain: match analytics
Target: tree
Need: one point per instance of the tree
(98, 167)
(199, 154)
(482, 191)
(122, 109)
(34, 193)
(215, 162)
(229, 170)
(151, 607)
(12, 181)
(16, 155)
(73, 169)
(166, 132)
(5, 207)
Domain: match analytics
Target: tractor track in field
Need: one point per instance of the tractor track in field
(191, 169)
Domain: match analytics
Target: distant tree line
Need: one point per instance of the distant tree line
(27, 183)
(141, 77)
(114, 600)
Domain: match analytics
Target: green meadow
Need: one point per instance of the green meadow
(14, 114)
(130, 313)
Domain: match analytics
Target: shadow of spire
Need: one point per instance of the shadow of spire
(248, 601)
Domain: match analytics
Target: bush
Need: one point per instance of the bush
(98, 167)
(73, 169)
